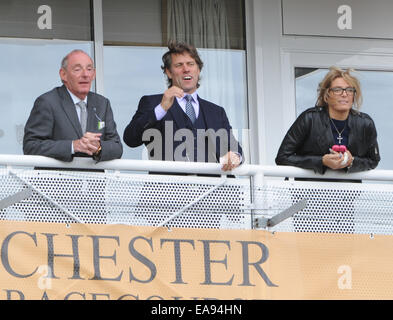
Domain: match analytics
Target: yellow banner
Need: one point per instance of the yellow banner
(101, 262)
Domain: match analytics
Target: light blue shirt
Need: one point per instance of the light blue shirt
(160, 112)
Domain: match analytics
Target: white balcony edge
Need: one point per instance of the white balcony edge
(188, 167)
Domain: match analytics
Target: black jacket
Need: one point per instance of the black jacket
(310, 137)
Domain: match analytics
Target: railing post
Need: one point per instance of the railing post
(257, 182)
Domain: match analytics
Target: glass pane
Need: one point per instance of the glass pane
(131, 72)
(28, 68)
(132, 22)
(377, 97)
(154, 22)
(51, 19)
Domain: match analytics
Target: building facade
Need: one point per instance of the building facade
(263, 59)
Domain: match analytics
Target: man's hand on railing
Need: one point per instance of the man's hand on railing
(89, 143)
(230, 161)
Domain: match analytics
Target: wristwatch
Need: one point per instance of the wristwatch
(97, 153)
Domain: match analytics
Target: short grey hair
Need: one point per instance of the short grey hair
(64, 61)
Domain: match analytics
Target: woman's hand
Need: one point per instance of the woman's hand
(334, 160)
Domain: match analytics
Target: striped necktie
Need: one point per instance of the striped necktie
(190, 109)
(83, 118)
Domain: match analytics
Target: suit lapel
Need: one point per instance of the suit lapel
(204, 109)
(177, 114)
(92, 121)
(70, 110)
(211, 123)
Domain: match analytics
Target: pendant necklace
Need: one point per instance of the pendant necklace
(339, 138)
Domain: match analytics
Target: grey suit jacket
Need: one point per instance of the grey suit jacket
(53, 124)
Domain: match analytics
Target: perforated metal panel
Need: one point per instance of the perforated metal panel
(156, 198)
(72, 196)
(139, 199)
(331, 207)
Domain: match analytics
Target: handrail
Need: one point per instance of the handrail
(189, 167)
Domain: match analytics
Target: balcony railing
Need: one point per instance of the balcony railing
(186, 195)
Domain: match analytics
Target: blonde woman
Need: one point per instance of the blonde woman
(335, 123)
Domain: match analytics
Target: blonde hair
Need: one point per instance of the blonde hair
(334, 73)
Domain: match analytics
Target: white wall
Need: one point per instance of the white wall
(264, 78)
(272, 57)
(358, 18)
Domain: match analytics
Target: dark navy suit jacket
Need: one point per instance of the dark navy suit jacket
(215, 118)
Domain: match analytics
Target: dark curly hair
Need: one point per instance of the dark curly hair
(179, 48)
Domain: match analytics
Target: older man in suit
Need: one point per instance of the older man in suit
(172, 124)
(70, 120)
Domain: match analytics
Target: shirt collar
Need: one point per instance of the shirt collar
(75, 99)
(194, 96)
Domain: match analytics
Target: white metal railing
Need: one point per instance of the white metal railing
(190, 167)
(118, 195)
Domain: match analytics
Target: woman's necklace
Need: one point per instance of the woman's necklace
(339, 138)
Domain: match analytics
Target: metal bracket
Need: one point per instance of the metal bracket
(287, 213)
(192, 203)
(52, 201)
(17, 197)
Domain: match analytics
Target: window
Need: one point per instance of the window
(35, 36)
(154, 22)
(377, 99)
(135, 38)
(30, 61)
(51, 19)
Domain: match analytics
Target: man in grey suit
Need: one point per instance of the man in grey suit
(71, 120)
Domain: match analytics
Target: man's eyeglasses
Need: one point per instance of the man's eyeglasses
(339, 91)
